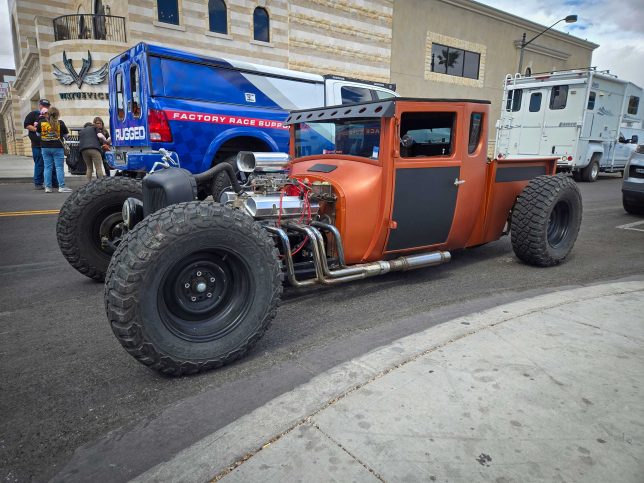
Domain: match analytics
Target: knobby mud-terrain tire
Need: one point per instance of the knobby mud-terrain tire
(90, 211)
(632, 207)
(221, 182)
(193, 287)
(546, 220)
(590, 173)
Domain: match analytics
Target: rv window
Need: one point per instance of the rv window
(514, 100)
(535, 102)
(633, 104)
(591, 101)
(351, 95)
(431, 133)
(135, 91)
(120, 102)
(476, 123)
(558, 97)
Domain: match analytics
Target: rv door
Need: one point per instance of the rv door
(532, 121)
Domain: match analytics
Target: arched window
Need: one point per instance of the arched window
(217, 16)
(261, 25)
(528, 71)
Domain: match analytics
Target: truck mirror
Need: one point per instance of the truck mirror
(635, 139)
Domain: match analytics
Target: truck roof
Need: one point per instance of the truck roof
(565, 76)
(364, 110)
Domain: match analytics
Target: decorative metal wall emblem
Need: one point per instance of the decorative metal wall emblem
(91, 78)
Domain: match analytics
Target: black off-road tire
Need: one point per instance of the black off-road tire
(546, 220)
(94, 207)
(221, 182)
(153, 299)
(631, 207)
(590, 173)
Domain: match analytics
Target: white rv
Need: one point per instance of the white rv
(590, 120)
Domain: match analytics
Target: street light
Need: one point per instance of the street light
(568, 19)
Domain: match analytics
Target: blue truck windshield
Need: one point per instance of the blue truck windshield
(360, 137)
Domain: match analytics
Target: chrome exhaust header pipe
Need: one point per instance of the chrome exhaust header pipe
(326, 276)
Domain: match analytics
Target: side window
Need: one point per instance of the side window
(135, 91)
(514, 100)
(633, 104)
(591, 100)
(120, 101)
(476, 126)
(535, 102)
(380, 95)
(217, 16)
(426, 134)
(168, 11)
(558, 97)
(261, 25)
(352, 94)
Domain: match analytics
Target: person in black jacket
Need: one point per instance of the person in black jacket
(90, 147)
(31, 125)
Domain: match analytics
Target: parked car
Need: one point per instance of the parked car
(633, 184)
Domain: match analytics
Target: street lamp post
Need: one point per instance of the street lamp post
(568, 19)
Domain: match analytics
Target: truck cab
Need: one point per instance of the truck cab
(204, 109)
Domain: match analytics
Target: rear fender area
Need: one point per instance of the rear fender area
(232, 141)
(506, 179)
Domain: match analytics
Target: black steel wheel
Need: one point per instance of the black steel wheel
(192, 287)
(546, 220)
(90, 224)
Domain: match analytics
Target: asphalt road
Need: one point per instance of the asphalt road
(76, 407)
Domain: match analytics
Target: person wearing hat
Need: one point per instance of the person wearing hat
(31, 124)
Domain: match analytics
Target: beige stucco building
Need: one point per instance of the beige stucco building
(379, 40)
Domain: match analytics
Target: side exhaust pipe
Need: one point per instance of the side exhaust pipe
(325, 276)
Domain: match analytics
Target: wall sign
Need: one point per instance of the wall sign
(84, 75)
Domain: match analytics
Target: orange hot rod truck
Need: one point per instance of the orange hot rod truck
(367, 189)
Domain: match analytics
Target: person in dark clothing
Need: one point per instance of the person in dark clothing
(30, 124)
(52, 131)
(91, 149)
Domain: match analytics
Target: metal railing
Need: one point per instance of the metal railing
(87, 26)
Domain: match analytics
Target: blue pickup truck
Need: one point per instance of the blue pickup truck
(207, 109)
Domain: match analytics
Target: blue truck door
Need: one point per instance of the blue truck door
(130, 125)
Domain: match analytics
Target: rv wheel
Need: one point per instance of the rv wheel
(591, 172)
(90, 223)
(546, 220)
(193, 286)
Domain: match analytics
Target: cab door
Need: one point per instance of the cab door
(426, 180)
(135, 105)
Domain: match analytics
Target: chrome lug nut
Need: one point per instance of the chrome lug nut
(187, 285)
(194, 299)
(212, 279)
(198, 274)
(208, 295)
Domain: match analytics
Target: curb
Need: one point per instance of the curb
(29, 179)
(227, 448)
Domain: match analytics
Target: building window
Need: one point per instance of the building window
(476, 125)
(514, 100)
(217, 16)
(558, 97)
(633, 105)
(426, 134)
(591, 101)
(120, 101)
(135, 91)
(457, 62)
(168, 11)
(261, 25)
(528, 71)
(535, 102)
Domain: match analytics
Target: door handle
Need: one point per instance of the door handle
(458, 182)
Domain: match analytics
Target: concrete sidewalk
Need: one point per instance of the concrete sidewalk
(545, 389)
(16, 169)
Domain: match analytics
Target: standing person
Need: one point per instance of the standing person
(30, 124)
(52, 130)
(106, 141)
(89, 145)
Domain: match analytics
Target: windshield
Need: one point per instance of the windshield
(354, 137)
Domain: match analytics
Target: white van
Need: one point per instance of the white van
(581, 116)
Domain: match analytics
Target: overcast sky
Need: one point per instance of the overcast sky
(617, 25)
